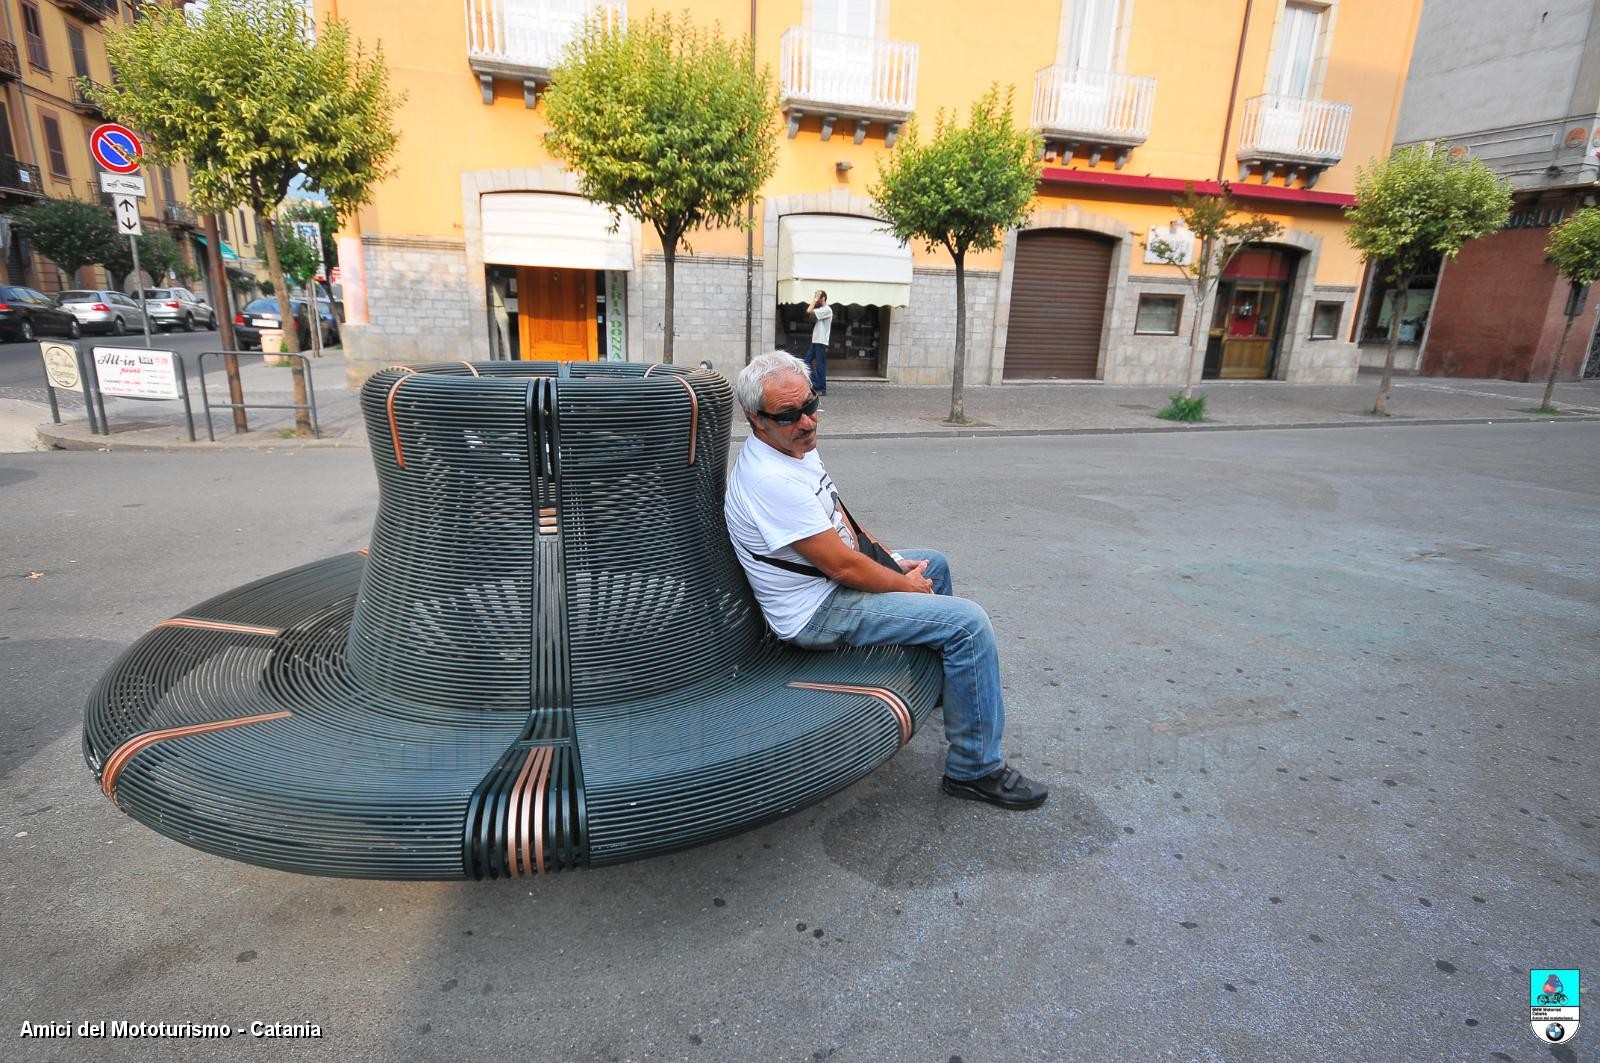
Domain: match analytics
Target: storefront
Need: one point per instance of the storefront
(556, 278)
(1252, 303)
(867, 275)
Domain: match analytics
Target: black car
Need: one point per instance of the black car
(263, 314)
(25, 313)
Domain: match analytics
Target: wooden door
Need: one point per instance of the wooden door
(556, 315)
(1250, 330)
(1058, 302)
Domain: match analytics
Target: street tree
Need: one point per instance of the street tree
(251, 95)
(70, 233)
(1575, 249)
(668, 123)
(1424, 200)
(159, 255)
(327, 219)
(299, 257)
(1219, 232)
(961, 191)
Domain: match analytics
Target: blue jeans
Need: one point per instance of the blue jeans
(817, 362)
(974, 708)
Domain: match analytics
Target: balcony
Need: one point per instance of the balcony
(1097, 109)
(522, 40)
(181, 215)
(81, 102)
(10, 66)
(836, 75)
(1299, 136)
(90, 10)
(19, 178)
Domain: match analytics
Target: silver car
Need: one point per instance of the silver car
(98, 310)
(171, 308)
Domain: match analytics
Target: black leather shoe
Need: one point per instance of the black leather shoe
(1006, 788)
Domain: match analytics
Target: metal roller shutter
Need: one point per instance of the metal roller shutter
(1058, 302)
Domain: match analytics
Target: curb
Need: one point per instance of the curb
(54, 439)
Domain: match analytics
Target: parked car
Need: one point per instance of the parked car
(263, 314)
(25, 313)
(171, 308)
(98, 310)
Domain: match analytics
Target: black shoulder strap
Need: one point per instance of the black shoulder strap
(865, 543)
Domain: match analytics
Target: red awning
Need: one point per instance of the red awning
(1175, 186)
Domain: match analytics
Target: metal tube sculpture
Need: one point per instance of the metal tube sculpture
(548, 657)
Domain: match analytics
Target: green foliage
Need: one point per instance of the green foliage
(665, 122)
(1191, 408)
(246, 97)
(297, 255)
(1575, 247)
(267, 287)
(159, 254)
(1421, 201)
(964, 188)
(327, 220)
(70, 232)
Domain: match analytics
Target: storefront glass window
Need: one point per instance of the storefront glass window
(1413, 315)
(1158, 314)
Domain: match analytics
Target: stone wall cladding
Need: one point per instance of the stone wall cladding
(418, 303)
(926, 352)
(708, 310)
(1334, 361)
(1131, 358)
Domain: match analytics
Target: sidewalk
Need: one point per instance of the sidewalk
(872, 409)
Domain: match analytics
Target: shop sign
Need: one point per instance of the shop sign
(136, 373)
(1536, 218)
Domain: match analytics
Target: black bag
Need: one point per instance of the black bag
(865, 543)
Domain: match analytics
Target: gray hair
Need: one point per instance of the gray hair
(751, 384)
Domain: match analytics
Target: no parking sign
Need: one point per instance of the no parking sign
(116, 148)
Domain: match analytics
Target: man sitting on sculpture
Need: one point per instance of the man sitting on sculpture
(823, 582)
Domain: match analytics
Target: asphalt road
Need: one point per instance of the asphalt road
(21, 367)
(1318, 710)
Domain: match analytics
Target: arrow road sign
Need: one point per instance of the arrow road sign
(128, 216)
(116, 148)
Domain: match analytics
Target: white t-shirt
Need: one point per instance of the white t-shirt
(774, 500)
(824, 326)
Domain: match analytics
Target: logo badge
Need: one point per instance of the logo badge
(1553, 997)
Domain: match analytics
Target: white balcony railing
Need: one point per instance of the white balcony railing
(529, 36)
(848, 75)
(1294, 129)
(1097, 106)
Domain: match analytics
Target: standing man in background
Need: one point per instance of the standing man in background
(817, 353)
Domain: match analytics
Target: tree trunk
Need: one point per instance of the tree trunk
(217, 281)
(1381, 405)
(1202, 293)
(958, 369)
(669, 252)
(291, 334)
(1555, 366)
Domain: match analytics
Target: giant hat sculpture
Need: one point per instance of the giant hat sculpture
(547, 658)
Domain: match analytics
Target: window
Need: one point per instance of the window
(257, 220)
(53, 146)
(222, 223)
(1091, 35)
(1299, 37)
(6, 148)
(1158, 314)
(166, 184)
(80, 52)
(34, 32)
(1325, 320)
(859, 18)
(1413, 315)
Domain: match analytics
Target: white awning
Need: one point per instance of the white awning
(853, 259)
(550, 229)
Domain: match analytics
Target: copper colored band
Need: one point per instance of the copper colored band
(517, 826)
(540, 785)
(394, 426)
(221, 625)
(548, 522)
(125, 752)
(362, 550)
(402, 368)
(470, 366)
(694, 415)
(902, 714)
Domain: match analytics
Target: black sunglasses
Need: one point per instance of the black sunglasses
(785, 418)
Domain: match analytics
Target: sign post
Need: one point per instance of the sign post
(117, 149)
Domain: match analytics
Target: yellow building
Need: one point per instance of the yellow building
(45, 121)
(479, 246)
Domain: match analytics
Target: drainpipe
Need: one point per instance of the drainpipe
(750, 233)
(1233, 93)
